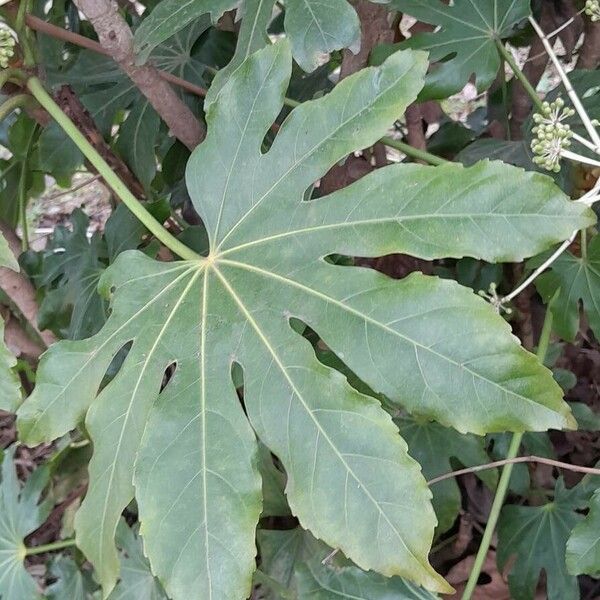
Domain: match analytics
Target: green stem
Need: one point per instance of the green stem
(413, 152)
(502, 488)
(583, 243)
(505, 98)
(508, 57)
(23, 33)
(13, 103)
(50, 547)
(22, 192)
(133, 204)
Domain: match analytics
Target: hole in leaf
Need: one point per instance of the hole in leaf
(168, 376)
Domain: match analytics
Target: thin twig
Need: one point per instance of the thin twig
(59, 33)
(565, 81)
(540, 269)
(74, 189)
(512, 461)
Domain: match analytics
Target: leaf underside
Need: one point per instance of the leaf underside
(429, 345)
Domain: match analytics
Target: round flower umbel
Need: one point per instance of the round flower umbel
(592, 9)
(7, 46)
(552, 135)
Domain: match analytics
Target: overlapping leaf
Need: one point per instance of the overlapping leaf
(10, 391)
(583, 546)
(465, 41)
(433, 446)
(20, 514)
(314, 27)
(71, 583)
(578, 279)
(350, 478)
(308, 568)
(136, 581)
(537, 537)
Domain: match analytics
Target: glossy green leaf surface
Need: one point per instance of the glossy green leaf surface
(434, 446)
(537, 537)
(350, 479)
(466, 34)
(583, 546)
(578, 279)
(20, 514)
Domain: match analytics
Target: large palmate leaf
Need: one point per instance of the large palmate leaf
(466, 37)
(583, 546)
(428, 344)
(434, 446)
(10, 391)
(537, 537)
(577, 278)
(20, 514)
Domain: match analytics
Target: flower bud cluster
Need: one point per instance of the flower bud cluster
(592, 9)
(7, 46)
(552, 135)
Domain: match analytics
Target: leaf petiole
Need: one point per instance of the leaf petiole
(133, 204)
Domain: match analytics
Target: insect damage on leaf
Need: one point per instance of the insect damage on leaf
(187, 452)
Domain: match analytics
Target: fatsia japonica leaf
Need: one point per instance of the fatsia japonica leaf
(71, 583)
(170, 17)
(466, 38)
(310, 569)
(136, 580)
(583, 545)
(576, 278)
(20, 513)
(10, 390)
(428, 344)
(536, 536)
(434, 446)
(315, 27)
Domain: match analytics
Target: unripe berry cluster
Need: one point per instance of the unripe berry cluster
(552, 135)
(7, 46)
(592, 9)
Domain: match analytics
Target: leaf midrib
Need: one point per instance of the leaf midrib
(281, 366)
(396, 219)
(291, 282)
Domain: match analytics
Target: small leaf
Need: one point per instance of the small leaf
(58, 155)
(136, 581)
(170, 17)
(583, 546)
(20, 514)
(137, 141)
(466, 33)
(317, 27)
(315, 581)
(71, 583)
(10, 388)
(433, 446)
(252, 37)
(537, 537)
(577, 278)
